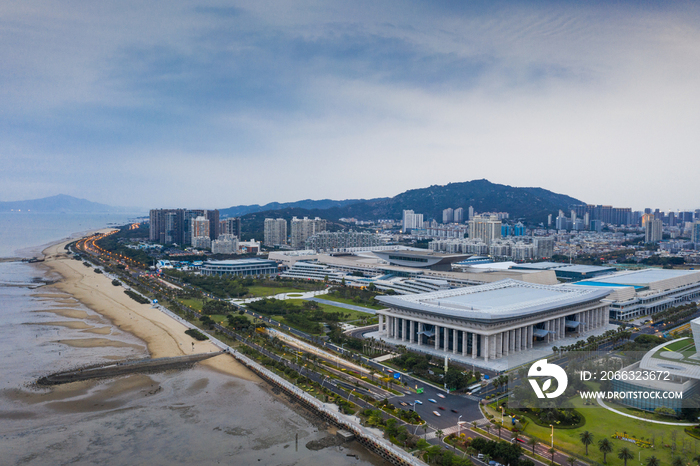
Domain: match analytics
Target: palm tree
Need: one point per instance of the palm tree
(625, 454)
(605, 446)
(586, 438)
(425, 430)
(487, 458)
(677, 461)
(697, 459)
(552, 451)
(653, 461)
(532, 441)
(571, 460)
(439, 434)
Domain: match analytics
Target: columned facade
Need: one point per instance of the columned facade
(487, 337)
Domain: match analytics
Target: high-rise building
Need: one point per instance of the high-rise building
(485, 228)
(213, 217)
(174, 225)
(231, 226)
(471, 213)
(448, 215)
(695, 234)
(596, 225)
(653, 228)
(519, 229)
(200, 227)
(275, 232)
(302, 228)
(412, 221)
(459, 215)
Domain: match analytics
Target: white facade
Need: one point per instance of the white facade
(492, 321)
(275, 232)
(412, 221)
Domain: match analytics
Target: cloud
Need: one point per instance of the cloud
(278, 102)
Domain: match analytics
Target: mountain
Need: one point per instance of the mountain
(237, 211)
(61, 203)
(531, 205)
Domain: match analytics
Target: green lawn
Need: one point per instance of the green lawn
(354, 315)
(350, 301)
(193, 303)
(603, 423)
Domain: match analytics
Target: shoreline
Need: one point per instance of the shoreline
(162, 335)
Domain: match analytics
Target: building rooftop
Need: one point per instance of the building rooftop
(493, 302)
(646, 277)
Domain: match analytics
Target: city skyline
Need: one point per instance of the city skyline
(270, 102)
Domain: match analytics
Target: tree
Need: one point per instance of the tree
(697, 459)
(532, 441)
(552, 451)
(586, 438)
(439, 434)
(425, 429)
(605, 446)
(571, 460)
(653, 461)
(625, 454)
(677, 461)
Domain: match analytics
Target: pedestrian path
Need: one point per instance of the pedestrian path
(352, 307)
(446, 431)
(602, 403)
(283, 296)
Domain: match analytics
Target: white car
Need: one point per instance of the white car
(436, 413)
(441, 395)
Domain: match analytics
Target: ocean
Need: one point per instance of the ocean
(196, 416)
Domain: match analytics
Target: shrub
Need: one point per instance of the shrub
(136, 297)
(196, 334)
(116, 282)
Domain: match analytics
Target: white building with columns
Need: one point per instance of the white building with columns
(494, 320)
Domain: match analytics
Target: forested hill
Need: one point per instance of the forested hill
(531, 205)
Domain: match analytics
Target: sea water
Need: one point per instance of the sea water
(196, 416)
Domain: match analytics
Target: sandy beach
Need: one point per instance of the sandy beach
(162, 335)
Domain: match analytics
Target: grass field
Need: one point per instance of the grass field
(193, 303)
(350, 301)
(354, 315)
(603, 423)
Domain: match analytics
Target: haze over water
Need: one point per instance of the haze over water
(197, 416)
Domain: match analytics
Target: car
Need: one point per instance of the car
(436, 413)
(431, 400)
(480, 456)
(403, 404)
(418, 402)
(454, 411)
(440, 407)
(441, 395)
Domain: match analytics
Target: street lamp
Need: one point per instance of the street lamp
(459, 426)
(552, 434)
(350, 394)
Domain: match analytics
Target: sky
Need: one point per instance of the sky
(213, 104)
